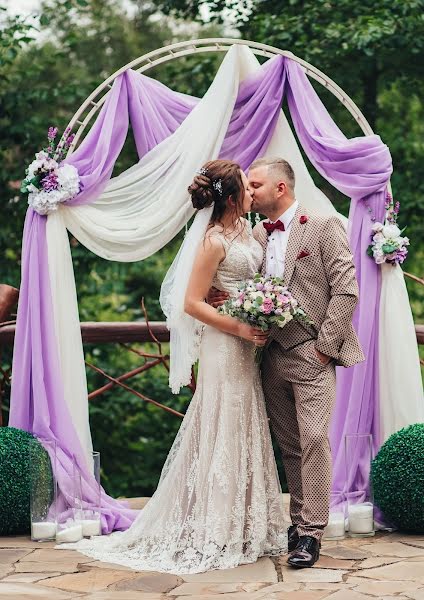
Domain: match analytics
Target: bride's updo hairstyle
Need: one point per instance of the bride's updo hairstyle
(213, 184)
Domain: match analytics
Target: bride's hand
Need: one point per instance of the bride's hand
(253, 334)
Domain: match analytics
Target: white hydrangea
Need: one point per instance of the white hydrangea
(45, 202)
(68, 180)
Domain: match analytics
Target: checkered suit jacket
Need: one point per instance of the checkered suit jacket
(320, 274)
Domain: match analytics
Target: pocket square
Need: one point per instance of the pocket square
(302, 254)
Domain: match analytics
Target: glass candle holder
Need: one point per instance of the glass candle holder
(69, 522)
(91, 521)
(360, 505)
(43, 489)
(335, 529)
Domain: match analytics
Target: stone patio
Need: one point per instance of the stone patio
(390, 565)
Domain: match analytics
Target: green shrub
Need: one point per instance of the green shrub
(15, 478)
(397, 476)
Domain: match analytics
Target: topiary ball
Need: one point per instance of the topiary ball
(15, 478)
(397, 477)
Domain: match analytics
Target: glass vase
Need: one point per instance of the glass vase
(360, 505)
(335, 529)
(69, 521)
(91, 517)
(43, 489)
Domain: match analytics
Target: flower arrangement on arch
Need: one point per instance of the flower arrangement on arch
(263, 302)
(388, 244)
(47, 182)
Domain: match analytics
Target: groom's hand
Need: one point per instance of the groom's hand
(323, 357)
(216, 297)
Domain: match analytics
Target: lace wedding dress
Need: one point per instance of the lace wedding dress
(218, 503)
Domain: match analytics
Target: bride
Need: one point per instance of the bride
(218, 503)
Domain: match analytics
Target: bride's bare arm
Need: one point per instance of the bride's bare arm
(210, 254)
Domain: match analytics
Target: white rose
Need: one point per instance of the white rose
(377, 226)
(378, 237)
(391, 231)
(247, 304)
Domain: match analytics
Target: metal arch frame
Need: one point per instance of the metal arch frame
(142, 64)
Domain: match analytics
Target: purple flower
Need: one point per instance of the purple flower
(50, 182)
(69, 140)
(52, 133)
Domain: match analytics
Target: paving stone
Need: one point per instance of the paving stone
(189, 589)
(22, 591)
(279, 587)
(97, 564)
(232, 596)
(11, 555)
(328, 586)
(418, 543)
(415, 595)
(344, 552)
(348, 595)
(380, 588)
(29, 577)
(393, 549)
(377, 561)
(5, 570)
(124, 596)
(51, 555)
(262, 571)
(315, 574)
(87, 581)
(328, 562)
(252, 587)
(400, 571)
(297, 595)
(36, 567)
(148, 582)
(406, 538)
(23, 541)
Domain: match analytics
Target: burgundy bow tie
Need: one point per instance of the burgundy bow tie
(270, 227)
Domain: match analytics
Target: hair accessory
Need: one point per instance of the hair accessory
(202, 171)
(217, 186)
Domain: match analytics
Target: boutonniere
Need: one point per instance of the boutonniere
(303, 219)
(302, 254)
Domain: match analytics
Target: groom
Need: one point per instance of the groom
(312, 254)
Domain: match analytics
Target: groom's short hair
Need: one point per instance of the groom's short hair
(277, 167)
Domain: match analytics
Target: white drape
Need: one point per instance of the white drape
(401, 396)
(146, 206)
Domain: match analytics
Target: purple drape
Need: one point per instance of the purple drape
(37, 402)
(360, 168)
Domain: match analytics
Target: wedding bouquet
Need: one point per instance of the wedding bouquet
(388, 244)
(48, 183)
(262, 302)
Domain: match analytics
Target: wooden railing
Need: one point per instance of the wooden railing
(126, 334)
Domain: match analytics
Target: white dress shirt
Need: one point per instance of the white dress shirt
(277, 244)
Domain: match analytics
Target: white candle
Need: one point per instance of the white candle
(361, 519)
(91, 527)
(73, 533)
(43, 530)
(336, 526)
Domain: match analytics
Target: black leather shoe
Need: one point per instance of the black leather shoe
(293, 537)
(305, 554)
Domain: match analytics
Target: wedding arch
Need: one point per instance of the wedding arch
(131, 216)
